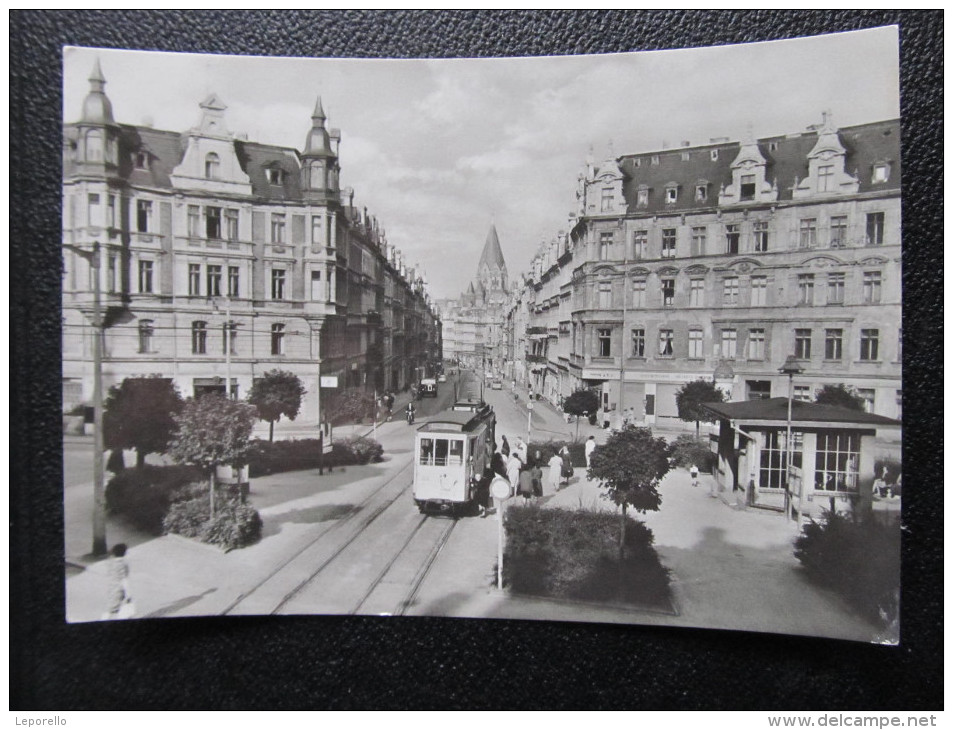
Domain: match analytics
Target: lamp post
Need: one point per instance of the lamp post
(99, 502)
(790, 368)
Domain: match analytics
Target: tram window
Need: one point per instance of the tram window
(426, 451)
(440, 452)
(456, 452)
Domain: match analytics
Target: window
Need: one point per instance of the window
(701, 193)
(802, 393)
(95, 210)
(731, 291)
(867, 395)
(604, 342)
(666, 343)
(142, 160)
(213, 222)
(638, 342)
(195, 222)
(875, 229)
(899, 405)
(761, 236)
(211, 166)
(145, 277)
(774, 464)
(608, 200)
(758, 389)
(714, 155)
(112, 273)
(671, 194)
(825, 178)
(759, 291)
(668, 292)
(277, 339)
(838, 231)
(881, 173)
(638, 293)
(275, 175)
(869, 344)
(195, 280)
(836, 461)
(747, 187)
(642, 198)
(317, 230)
(872, 286)
(686, 156)
(640, 242)
(655, 159)
(756, 344)
(198, 338)
(808, 233)
(94, 146)
(802, 344)
(231, 224)
(899, 344)
(146, 335)
(729, 343)
(668, 243)
(805, 289)
(605, 295)
(143, 216)
(833, 344)
(277, 228)
(317, 174)
(229, 330)
(696, 293)
(316, 285)
(277, 283)
(695, 346)
(733, 236)
(835, 288)
(233, 274)
(699, 239)
(605, 246)
(213, 280)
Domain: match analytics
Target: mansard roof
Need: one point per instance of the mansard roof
(786, 158)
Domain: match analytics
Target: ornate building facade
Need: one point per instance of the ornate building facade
(220, 259)
(718, 262)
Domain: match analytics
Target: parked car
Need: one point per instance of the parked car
(442, 378)
(496, 384)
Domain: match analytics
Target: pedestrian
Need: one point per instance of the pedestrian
(505, 448)
(555, 470)
(590, 447)
(120, 598)
(498, 464)
(694, 472)
(526, 483)
(522, 450)
(567, 470)
(537, 473)
(482, 496)
(513, 466)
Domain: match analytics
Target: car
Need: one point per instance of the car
(442, 378)
(496, 385)
(428, 388)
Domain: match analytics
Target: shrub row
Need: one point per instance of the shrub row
(858, 558)
(235, 524)
(574, 554)
(143, 495)
(274, 457)
(685, 451)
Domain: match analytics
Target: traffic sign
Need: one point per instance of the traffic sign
(500, 488)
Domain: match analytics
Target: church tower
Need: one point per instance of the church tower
(491, 271)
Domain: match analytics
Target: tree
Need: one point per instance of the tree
(212, 430)
(839, 395)
(630, 465)
(348, 405)
(278, 393)
(139, 414)
(581, 403)
(690, 397)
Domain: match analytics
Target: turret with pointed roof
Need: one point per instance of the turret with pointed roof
(491, 270)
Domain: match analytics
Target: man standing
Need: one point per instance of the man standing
(590, 447)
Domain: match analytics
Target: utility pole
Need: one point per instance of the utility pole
(99, 501)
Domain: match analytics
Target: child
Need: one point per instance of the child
(694, 472)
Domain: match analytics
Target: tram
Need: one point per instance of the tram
(452, 452)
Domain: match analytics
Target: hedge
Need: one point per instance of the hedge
(235, 524)
(142, 495)
(575, 554)
(686, 450)
(275, 457)
(859, 558)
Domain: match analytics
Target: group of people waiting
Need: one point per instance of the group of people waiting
(524, 473)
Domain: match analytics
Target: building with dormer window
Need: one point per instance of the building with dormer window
(222, 258)
(718, 262)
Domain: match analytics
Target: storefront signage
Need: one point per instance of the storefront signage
(329, 381)
(633, 376)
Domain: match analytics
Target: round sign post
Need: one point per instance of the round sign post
(500, 489)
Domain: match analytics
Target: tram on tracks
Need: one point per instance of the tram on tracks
(452, 452)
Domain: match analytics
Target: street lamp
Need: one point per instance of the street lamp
(99, 502)
(790, 368)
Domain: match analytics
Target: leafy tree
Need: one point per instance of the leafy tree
(278, 393)
(139, 414)
(630, 465)
(581, 403)
(690, 397)
(212, 430)
(840, 395)
(349, 405)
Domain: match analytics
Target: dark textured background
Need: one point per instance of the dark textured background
(342, 663)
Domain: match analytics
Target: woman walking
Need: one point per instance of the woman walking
(505, 448)
(555, 474)
(567, 471)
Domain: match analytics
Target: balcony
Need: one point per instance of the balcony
(536, 330)
(536, 358)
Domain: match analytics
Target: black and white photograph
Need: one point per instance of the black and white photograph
(612, 339)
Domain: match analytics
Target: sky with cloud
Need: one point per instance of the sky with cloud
(439, 150)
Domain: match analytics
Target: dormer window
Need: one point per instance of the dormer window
(701, 192)
(636, 163)
(211, 166)
(825, 178)
(686, 156)
(142, 160)
(772, 146)
(714, 155)
(654, 159)
(881, 173)
(94, 146)
(275, 175)
(643, 197)
(608, 200)
(671, 194)
(747, 187)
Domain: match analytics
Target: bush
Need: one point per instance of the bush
(235, 524)
(685, 451)
(143, 495)
(275, 457)
(361, 449)
(860, 559)
(574, 554)
(577, 450)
